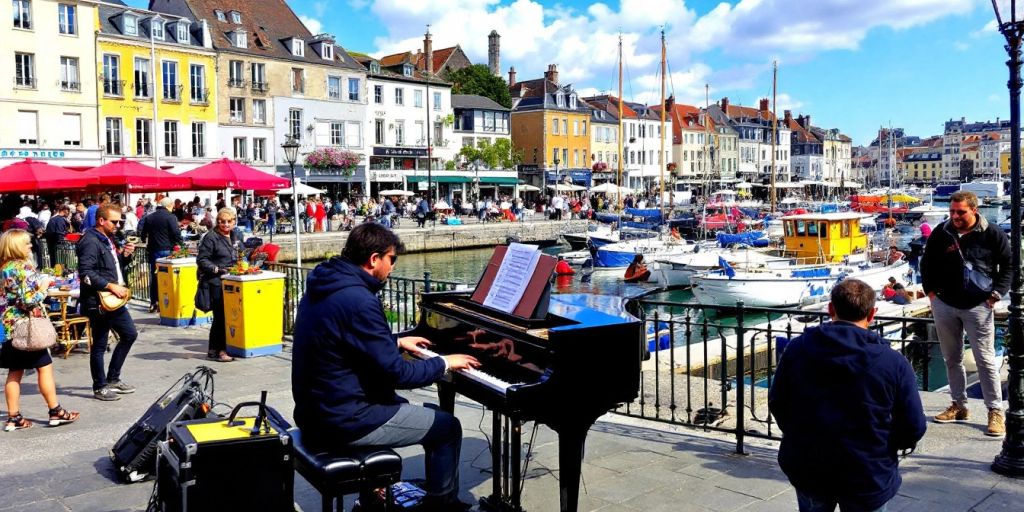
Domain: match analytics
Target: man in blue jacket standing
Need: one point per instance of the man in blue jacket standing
(846, 403)
(346, 367)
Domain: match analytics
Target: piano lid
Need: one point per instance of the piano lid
(588, 310)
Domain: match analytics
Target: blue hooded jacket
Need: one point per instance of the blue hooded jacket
(846, 403)
(346, 364)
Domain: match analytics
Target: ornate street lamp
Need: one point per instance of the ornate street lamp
(1010, 460)
(558, 179)
(291, 154)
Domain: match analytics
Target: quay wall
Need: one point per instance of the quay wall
(317, 246)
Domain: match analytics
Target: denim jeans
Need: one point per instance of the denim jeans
(440, 434)
(809, 503)
(101, 322)
(154, 296)
(979, 324)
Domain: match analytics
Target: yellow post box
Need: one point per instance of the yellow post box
(254, 313)
(176, 282)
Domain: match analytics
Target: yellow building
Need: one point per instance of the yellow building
(551, 128)
(922, 166)
(1004, 161)
(157, 96)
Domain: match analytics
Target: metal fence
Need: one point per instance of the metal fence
(137, 273)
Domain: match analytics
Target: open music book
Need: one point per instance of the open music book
(517, 281)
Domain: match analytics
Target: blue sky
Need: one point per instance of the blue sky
(855, 65)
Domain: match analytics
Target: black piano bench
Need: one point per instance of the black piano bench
(353, 469)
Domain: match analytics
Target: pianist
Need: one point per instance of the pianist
(346, 367)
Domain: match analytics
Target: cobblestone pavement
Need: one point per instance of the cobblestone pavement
(630, 465)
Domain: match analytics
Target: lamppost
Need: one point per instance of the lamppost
(558, 179)
(1010, 461)
(291, 154)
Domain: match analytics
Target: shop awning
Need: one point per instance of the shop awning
(500, 180)
(440, 179)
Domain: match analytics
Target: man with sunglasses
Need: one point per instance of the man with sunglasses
(965, 270)
(347, 365)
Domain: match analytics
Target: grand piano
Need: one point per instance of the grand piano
(563, 370)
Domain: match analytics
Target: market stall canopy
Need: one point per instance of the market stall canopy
(902, 198)
(225, 173)
(528, 188)
(303, 189)
(138, 177)
(610, 188)
(850, 184)
(30, 176)
(396, 192)
(561, 187)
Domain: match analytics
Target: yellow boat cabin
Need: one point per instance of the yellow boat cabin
(824, 237)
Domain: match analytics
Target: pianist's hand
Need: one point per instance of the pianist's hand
(413, 344)
(461, 362)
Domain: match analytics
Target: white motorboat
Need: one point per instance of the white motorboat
(621, 254)
(676, 271)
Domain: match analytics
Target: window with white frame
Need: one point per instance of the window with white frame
(170, 138)
(111, 75)
(554, 126)
(438, 133)
(220, 15)
(353, 89)
(259, 150)
(183, 33)
(399, 96)
(259, 111)
(71, 126)
(437, 101)
(198, 139)
(354, 134)
(142, 85)
(170, 80)
(197, 83)
(298, 48)
(399, 132)
(236, 17)
(22, 14)
(240, 150)
(417, 98)
(295, 123)
(488, 121)
(143, 137)
(378, 94)
(259, 76)
(298, 81)
(328, 51)
(24, 70)
(28, 127)
(337, 134)
(131, 25)
(420, 132)
(67, 19)
(378, 131)
(407, 69)
(156, 27)
(113, 136)
(69, 74)
(236, 73)
(236, 107)
(575, 127)
(334, 87)
(241, 39)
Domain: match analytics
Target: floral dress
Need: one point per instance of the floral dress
(21, 291)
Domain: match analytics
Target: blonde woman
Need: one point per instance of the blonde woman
(23, 290)
(216, 254)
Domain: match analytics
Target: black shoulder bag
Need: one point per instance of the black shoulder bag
(977, 284)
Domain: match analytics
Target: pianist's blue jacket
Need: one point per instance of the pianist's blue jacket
(846, 404)
(346, 364)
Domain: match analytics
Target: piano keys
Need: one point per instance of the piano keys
(564, 371)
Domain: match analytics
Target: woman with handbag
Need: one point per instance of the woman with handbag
(216, 254)
(23, 292)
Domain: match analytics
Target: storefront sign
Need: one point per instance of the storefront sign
(575, 175)
(30, 153)
(393, 176)
(378, 151)
(529, 168)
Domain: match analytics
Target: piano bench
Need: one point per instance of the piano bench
(351, 469)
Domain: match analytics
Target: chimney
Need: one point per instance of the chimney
(725, 105)
(511, 76)
(788, 116)
(552, 74)
(494, 53)
(428, 49)
(764, 105)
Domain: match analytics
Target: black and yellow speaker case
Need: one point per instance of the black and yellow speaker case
(215, 464)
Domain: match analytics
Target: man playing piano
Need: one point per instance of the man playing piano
(346, 367)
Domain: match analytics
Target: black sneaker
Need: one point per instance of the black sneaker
(106, 394)
(120, 387)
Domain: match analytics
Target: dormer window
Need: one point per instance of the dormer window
(183, 34)
(560, 100)
(157, 28)
(220, 15)
(236, 17)
(572, 101)
(298, 47)
(239, 38)
(407, 69)
(131, 25)
(327, 51)
(375, 67)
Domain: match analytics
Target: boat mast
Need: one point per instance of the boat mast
(618, 189)
(775, 128)
(664, 161)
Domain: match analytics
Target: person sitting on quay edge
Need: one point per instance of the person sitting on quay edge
(347, 365)
(23, 290)
(846, 404)
(217, 253)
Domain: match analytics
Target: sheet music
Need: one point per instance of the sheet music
(513, 276)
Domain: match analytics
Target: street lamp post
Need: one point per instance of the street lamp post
(291, 154)
(558, 179)
(1010, 461)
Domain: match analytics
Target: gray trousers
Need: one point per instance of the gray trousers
(979, 324)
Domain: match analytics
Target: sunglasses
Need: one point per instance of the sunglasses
(960, 213)
(392, 257)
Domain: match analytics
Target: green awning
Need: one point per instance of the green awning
(440, 179)
(499, 180)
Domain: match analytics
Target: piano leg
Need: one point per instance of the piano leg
(496, 472)
(570, 464)
(446, 396)
(517, 473)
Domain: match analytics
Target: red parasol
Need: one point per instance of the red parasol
(30, 176)
(226, 173)
(138, 177)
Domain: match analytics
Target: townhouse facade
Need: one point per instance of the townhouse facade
(837, 150)
(478, 121)
(923, 166)
(808, 150)
(604, 146)
(725, 155)
(157, 93)
(691, 141)
(49, 100)
(755, 127)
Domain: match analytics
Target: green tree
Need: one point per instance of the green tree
(477, 79)
(499, 155)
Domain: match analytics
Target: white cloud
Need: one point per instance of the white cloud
(997, 98)
(961, 46)
(314, 25)
(991, 28)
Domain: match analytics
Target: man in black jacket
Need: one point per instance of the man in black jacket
(161, 233)
(967, 244)
(101, 267)
(56, 228)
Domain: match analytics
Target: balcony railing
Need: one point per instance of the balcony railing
(260, 86)
(236, 82)
(113, 87)
(70, 86)
(172, 93)
(200, 96)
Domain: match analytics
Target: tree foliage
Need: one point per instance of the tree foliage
(499, 155)
(477, 79)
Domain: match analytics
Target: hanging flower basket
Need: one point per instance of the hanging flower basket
(600, 166)
(331, 159)
(671, 166)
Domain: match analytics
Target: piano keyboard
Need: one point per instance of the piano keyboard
(472, 373)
